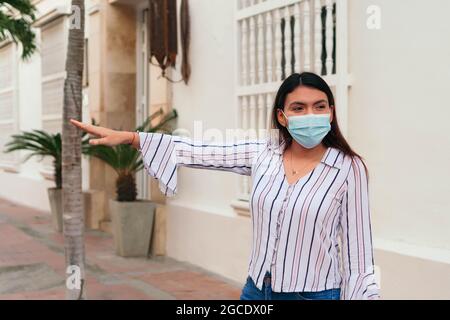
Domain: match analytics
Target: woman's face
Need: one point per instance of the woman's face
(302, 101)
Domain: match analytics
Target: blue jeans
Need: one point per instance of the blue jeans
(251, 292)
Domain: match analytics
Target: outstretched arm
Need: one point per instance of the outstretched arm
(163, 153)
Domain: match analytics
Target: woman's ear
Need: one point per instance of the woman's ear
(281, 118)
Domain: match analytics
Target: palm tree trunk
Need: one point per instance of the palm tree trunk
(73, 209)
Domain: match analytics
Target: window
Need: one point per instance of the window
(53, 56)
(53, 52)
(8, 119)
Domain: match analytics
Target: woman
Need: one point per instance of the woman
(309, 201)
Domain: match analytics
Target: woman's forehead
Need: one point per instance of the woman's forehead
(306, 95)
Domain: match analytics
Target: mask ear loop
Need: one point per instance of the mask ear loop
(287, 120)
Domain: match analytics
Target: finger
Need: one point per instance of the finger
(96, 142)
(79, 124)
(86, 127)
(76, 123)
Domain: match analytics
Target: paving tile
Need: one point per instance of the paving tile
(32, 266)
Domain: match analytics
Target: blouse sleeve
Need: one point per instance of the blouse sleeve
(359, 281)
(163, 153)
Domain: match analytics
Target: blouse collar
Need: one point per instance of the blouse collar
(332, 156)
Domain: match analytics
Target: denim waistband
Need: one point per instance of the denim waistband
(267, 278)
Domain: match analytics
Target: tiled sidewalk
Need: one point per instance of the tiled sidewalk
(32, 266)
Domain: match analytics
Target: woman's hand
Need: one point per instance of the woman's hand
(108, 137)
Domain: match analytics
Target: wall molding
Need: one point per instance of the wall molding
(52, 15)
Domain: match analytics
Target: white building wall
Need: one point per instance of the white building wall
(27, 186)
(202, 227)
(209, 97)
(397, 122)
(27, 181)
(399, 116)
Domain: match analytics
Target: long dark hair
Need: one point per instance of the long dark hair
(334, 138)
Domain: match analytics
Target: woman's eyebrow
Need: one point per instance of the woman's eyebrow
(304, 104)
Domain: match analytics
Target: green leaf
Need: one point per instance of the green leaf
(16, 18)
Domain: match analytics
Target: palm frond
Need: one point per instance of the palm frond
(35, 141)
(147, 123)
(43, 144)
(162, 125)
(16, 17)
(104, 153)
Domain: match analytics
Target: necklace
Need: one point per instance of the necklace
(295, 172)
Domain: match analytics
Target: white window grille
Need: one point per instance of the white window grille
(277, 38)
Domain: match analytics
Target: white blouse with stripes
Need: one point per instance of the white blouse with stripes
(312, 235)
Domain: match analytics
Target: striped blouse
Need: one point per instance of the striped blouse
(312, 235)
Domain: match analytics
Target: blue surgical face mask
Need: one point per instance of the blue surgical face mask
(309, 130)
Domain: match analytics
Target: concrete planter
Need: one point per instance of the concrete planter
(93, 208)
(55, 198)
(132, 227)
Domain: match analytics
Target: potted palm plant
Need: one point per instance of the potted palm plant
(43, 144)
(132, 218)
